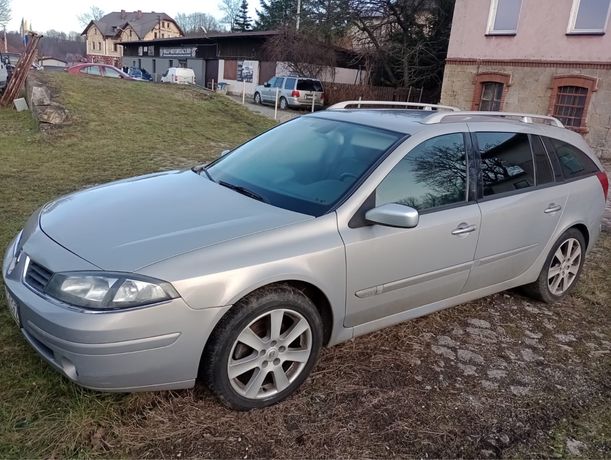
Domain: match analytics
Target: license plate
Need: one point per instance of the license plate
(12, 307)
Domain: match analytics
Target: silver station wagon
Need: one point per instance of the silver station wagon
(238, 272)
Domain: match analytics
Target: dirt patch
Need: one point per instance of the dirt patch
(492, 378)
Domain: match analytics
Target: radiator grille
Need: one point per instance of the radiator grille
(38, 276)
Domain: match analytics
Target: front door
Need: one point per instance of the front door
(390, 270)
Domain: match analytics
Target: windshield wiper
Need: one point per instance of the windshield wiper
(242, 190)
(204, 168)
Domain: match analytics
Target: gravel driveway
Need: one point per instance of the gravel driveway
(268, 110)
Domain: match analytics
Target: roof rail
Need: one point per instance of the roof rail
(523, 117)
(416, 105)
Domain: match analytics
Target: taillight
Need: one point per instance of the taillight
(604, 182)
(295, 93)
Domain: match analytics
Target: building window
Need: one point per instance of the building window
(492, 94)
(162, 35)
(570, 100)
(155, 34)
(589, 17)
(100, 46)
(130, 33)
(503, 18)
(490, 91)
(115, 47)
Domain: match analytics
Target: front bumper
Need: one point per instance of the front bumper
(151, 348)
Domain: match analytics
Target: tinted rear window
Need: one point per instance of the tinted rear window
(506, 162)
(573, 162)
(309, 85)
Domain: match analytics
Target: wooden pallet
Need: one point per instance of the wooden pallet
(15, 85)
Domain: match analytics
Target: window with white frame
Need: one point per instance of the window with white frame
(589, 16)
(504, 16)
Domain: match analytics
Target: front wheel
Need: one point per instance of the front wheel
(562, 268)
(263, 349)
(257, 98)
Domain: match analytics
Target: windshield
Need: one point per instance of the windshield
(306, 165)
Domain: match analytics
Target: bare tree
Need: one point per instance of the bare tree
(405, 41)
(94, 13)
(303, 55)
(194, 22)
(5, 12)
(231, 9)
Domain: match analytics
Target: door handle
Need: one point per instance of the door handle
(552, 208)
(463, 229)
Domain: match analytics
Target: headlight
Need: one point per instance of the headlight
(107, 291)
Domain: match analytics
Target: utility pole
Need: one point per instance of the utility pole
(5, 42)
(298, 13)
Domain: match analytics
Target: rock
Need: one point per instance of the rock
(447, 341)
(497, 373)
(533, 335)
(53, 114)
(40, 96)
(457, 331)
(427, 336)
(484, 335)
(528, 355)
(532, 309)
(479, 323)
(565, 338)
(574, 447)
(413, 361)
(532, 343)
(486, 453)
(467, 369)
(519, 391)
(488, 385)
(443, 351)
(469, 356)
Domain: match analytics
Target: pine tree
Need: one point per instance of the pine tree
(276, 14)
(243, 22)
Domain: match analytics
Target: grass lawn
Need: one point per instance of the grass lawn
(499, 377)
(119, 129)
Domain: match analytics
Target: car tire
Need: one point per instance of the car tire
(561, 270)
(263, 349)
(257, 98)
(283, 104)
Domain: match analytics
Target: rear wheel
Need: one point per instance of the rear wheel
(283, 104)
(264, 349)
(562, 268)
(257, 98)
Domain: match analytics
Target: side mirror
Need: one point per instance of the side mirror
(224, 152)
(266, 85)
(393, 215)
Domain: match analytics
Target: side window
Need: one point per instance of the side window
(506, 162)
(112, 73)
(573, 162)
(433, 174)
(278, 83)
(543, 167)
(93, 70)
(290, 83)
(272, 82)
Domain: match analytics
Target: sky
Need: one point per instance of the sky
(61, 14)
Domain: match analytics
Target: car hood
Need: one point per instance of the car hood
(133, 223)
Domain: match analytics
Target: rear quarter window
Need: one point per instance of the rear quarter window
(309, 85)
(573, 162)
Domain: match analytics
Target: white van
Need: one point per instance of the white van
(3, 75)
(179, 75)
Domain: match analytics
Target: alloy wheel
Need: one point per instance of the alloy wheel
(269, 354)
(564, 266)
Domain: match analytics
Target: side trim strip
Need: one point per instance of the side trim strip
(406, 282)
(502, 255)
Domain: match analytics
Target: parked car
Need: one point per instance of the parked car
(292, 92)
(98, 70)
(240, 271)
(179, 75)
(139, 74)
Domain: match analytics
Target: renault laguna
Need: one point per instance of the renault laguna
(324, 228)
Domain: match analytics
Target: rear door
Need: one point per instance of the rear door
(520, 204)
